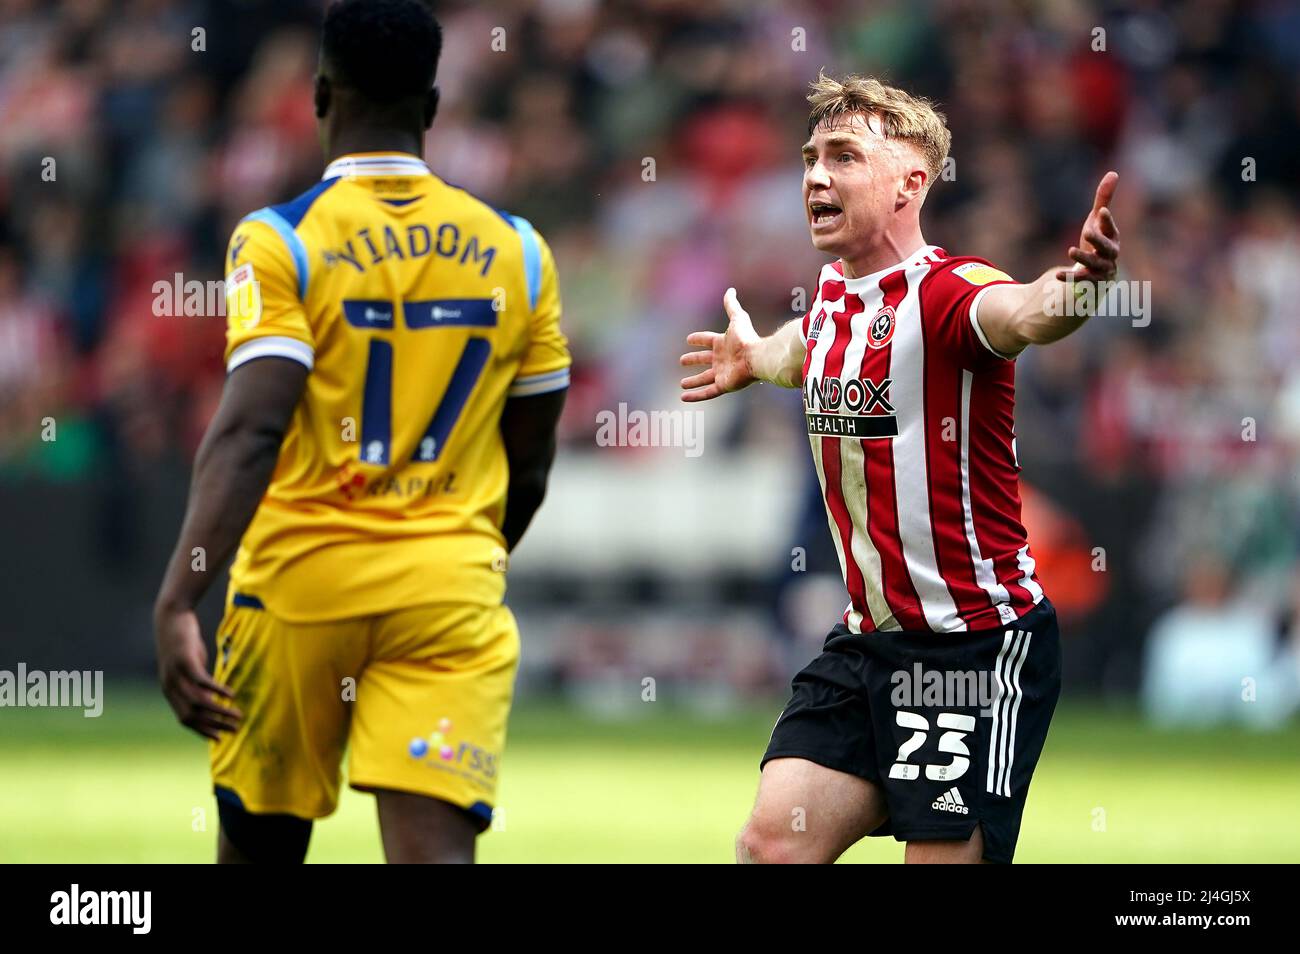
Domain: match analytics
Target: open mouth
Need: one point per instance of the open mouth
(823, 213)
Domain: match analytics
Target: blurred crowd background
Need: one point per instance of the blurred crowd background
(656, 144)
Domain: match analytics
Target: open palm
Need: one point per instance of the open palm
(727, 355)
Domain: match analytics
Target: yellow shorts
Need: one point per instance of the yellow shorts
(419, 696)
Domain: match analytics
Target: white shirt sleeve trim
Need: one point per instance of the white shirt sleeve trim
(272, 346)
(979, 332)
(535, 384)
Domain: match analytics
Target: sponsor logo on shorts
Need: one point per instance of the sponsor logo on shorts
(439, 750)
(950, 801)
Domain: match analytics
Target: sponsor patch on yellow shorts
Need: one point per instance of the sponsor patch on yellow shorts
(418, 699)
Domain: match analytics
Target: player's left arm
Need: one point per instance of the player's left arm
(269, 353)
(231, 472)
(1013, 317)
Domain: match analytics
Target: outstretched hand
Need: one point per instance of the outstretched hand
(727, 355)
(1096, 257)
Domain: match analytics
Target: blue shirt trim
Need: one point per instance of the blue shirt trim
(532, 258)
(285, 218)
(294, 210)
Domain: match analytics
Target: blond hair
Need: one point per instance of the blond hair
(912, 119)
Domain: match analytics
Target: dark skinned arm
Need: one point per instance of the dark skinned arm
(232, 469)
(528, 430)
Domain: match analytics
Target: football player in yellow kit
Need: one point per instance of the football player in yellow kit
(395, 374)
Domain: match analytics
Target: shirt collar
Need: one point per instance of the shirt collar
(376, 164)
(866, 282)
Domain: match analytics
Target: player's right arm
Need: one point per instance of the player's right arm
(738, 357)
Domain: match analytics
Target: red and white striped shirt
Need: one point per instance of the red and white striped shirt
(910, 415)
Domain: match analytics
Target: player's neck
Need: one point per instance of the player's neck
(889, 250)
(355, 141)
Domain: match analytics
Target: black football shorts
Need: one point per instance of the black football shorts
(950, 726)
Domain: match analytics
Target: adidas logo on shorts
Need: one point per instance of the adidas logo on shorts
(950, 801)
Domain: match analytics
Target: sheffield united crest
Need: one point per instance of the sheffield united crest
(881, 328)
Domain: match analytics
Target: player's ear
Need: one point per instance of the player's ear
(913, 186)
(430, 107)
(322, 95)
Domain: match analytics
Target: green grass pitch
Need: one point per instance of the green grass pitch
(665, 786)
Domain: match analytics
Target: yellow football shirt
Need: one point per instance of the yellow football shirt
(419, 310)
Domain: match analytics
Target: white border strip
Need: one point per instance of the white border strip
(979, 332)
(272, 346)
(395, 164)
(996, 711)
(1015, 709)
(985, 575)
(535, 384)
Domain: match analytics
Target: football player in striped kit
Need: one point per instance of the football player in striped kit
(907, 364)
